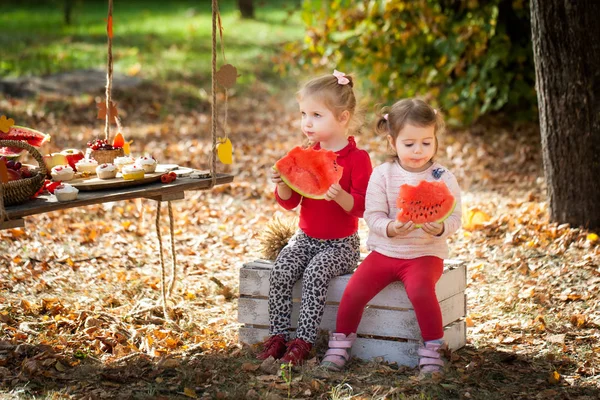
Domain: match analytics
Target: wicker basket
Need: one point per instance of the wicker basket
(19, 191)
(107, 156)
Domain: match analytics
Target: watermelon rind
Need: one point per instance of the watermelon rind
(11, 153)
(299, 191)
(445, 217)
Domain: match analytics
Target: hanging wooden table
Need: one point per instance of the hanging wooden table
(156, 191)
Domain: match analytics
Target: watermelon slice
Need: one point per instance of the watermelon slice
(309, 172)
(31, 136)
(426, 202)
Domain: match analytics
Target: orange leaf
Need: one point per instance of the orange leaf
(109, 26)
(114, 113)
(554, 377)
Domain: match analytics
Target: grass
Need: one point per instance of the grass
(157, 40)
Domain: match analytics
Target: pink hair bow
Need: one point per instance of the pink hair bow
(341, 77)
(385, 116)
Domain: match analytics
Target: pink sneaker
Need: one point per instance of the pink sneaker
(339, 351)
(430, 358)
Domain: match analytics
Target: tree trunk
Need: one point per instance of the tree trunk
(246, 8)
(566, 46)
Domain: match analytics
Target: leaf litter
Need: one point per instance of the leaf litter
(80, 315)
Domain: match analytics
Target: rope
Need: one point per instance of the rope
(162, 262)
(173, 258)
(213, 164)
(109, 73)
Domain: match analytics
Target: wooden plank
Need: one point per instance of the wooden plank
(47, 203)
(168, 196)
(254, 281)
(375, 321)
(12, 223)
(403, 353)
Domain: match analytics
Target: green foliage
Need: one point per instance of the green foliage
(467, 57)
(158, 40)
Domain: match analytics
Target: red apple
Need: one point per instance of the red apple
(54, 159)
(73, 155)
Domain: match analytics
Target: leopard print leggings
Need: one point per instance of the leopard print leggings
(318, 261)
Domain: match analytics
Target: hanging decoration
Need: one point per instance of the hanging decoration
(226, 76)
(6, 123)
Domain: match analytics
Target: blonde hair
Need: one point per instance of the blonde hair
(410, 111)
(336, 97)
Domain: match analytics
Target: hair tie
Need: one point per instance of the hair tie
(385, 116)
(341, 77)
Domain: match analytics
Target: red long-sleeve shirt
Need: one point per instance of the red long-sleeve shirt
(322, 219)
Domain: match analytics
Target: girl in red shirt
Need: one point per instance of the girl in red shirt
(326, 244)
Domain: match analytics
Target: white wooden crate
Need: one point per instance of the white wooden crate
(388, 328)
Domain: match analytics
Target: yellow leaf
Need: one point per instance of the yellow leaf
(60, 367)
(469, 322)
(189, 392)
(17, 260)
(5, 123)
(224, 150)
(475, 218)
(554, 377)
(592, 237)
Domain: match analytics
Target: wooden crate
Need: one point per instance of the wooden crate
(388, 328)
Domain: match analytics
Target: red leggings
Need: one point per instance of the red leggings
(419, 277)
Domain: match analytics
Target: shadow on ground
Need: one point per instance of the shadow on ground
(484, 373)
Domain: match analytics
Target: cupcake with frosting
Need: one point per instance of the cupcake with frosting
(65, 192)
(86, 166)
(106, 171)
(147, 162)
(62, 173)
(121, 162)
(132, 172)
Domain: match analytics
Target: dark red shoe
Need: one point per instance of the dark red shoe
(298, 350)
(273, 347)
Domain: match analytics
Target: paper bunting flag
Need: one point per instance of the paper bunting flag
(224, 150)
(114, 113)
(227, 75)
(5, 123)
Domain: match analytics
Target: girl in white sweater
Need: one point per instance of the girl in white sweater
(401, 251)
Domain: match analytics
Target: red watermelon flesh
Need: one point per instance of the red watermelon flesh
(426, 202)
(11, 153)
(31, 136)
(309, 172)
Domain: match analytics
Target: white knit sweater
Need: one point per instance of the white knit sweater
(380, 209)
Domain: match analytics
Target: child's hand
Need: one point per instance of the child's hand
(276, 178)
(433, 228)
(333, 192)
(396, 228)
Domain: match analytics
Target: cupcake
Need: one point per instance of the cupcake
(120, 162)
(65, 192)
(86, 166)
(148, 163)
(106, 171)
(132, 172)
(62, 173)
